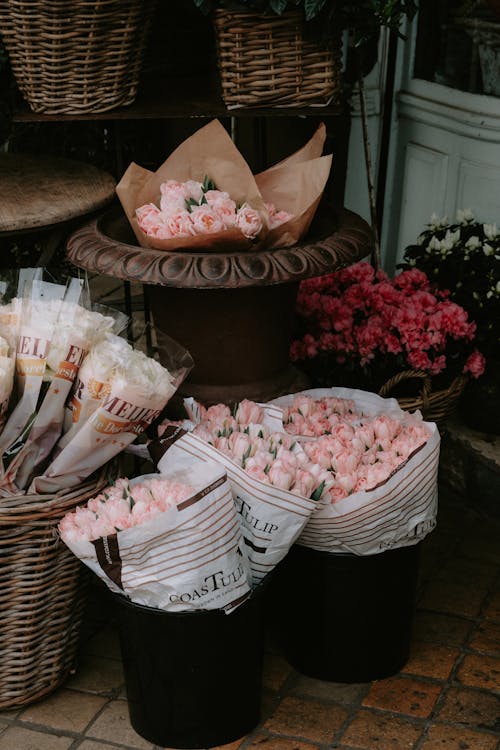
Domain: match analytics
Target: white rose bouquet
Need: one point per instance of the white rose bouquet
(60, 425)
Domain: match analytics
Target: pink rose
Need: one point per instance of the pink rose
(248, 221)
(278, 218)
(255, 430)
(180, 223)
(203, 433)
(223, 205)
(303, 484)
(217, 413)
(248, 411)
(194, 190)
(173, 196)
(257, 473)
(239, 445)
(222, 444)
(150, 219)
(280, 476)
(206, 221)
(258, 461)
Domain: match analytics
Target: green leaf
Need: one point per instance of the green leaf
(313, 7)
(190, 202)
(208, 184)
(278, 6)
(245, 456)
(318, 491)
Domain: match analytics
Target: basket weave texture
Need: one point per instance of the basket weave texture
(267, 61)
(435, 405)
(42, 595)
(76, 56)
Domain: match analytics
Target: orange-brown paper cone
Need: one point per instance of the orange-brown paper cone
(209, 152)
(296, 185)
(311, 150)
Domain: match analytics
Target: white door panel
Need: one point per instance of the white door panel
(424, 185)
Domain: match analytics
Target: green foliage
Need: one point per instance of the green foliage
(362, 18)
(464, 257)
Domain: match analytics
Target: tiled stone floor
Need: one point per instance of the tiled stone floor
(447, 697)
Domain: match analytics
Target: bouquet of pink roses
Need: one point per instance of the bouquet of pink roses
(205, 197)
(384, 462)
(359, 457)
(170, 541)
(194, 209)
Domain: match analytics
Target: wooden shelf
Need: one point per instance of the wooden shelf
(175, 97)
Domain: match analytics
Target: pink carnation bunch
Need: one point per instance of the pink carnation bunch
(361, 318)
(195, 208)
(121, 506)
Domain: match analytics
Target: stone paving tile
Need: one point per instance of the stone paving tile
(20, 738)
(113, 724)
(229, 746)
(276, 671)
(10, 714)
(265, 742)
(492, 609)
(452, 598)
(443, 737)
(482, 546)
(476, 709)
(438, 628)
(105, 643)
(430, 660)
(338, 692)
(479, 573)
(98, 675)
(94, 745)
(478, 670)
(486, 638)
(268, 703)
(310, 719)
(67, 710)
(383, 731)
(405, 696)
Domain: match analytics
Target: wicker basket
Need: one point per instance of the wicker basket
(435, 405)
(42, 595)
(76, 56)
(266, 61)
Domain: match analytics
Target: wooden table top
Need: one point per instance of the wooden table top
(40, 191)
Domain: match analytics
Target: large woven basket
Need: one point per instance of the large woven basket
(266, 61)
(76, 56)
(42, 595)
(436, 405)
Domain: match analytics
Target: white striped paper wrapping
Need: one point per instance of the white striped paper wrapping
(271, 518)
(397, 513)
(190, 557)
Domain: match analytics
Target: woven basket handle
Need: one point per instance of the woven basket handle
(408, 375)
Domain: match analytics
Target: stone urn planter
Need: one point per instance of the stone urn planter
(232, 311)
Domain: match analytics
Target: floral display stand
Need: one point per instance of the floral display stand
(234, 310)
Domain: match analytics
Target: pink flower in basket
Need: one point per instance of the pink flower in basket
(361, 321)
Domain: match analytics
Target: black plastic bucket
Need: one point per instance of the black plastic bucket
(343, 617)
(193, 679)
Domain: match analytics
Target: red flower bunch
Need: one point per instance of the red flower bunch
(361, 319)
